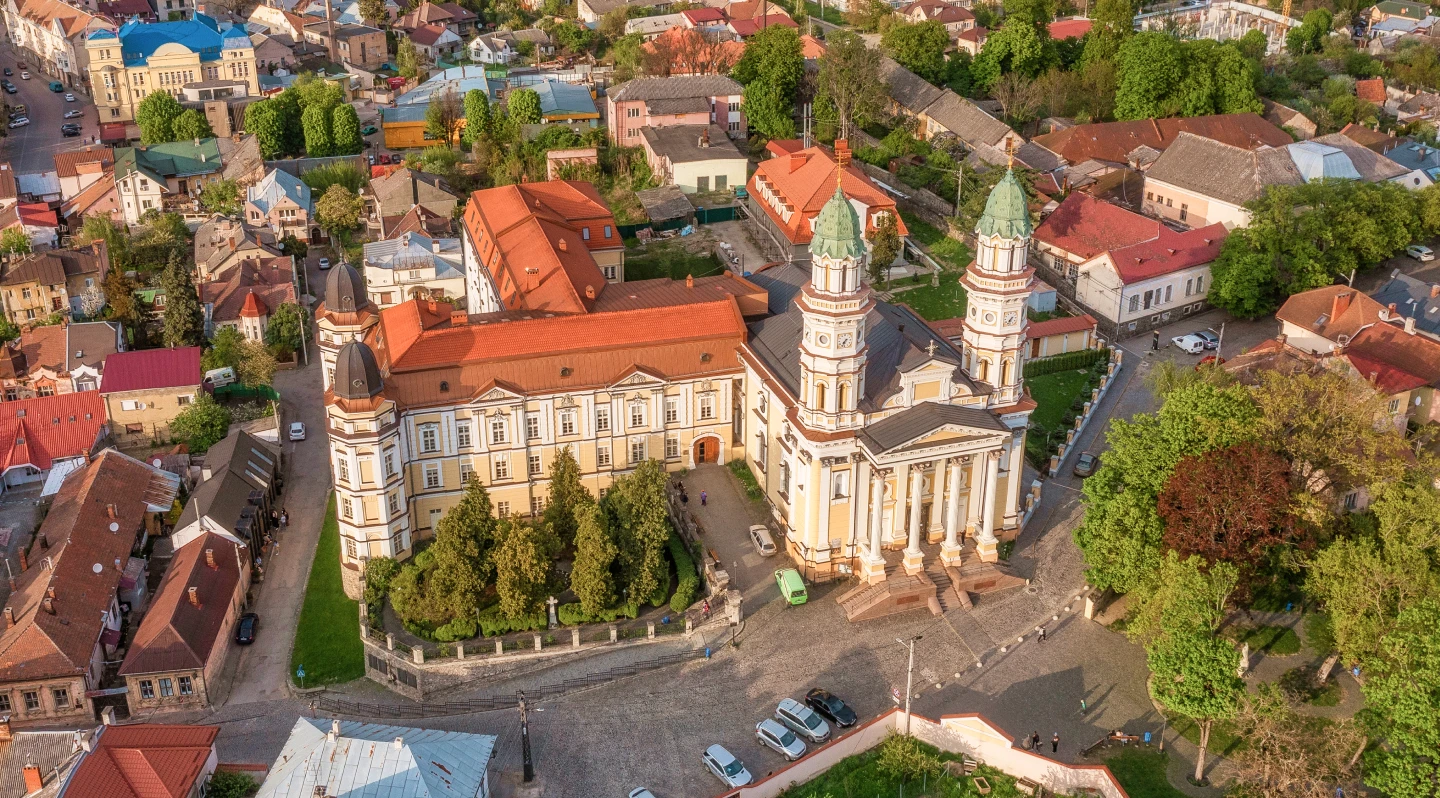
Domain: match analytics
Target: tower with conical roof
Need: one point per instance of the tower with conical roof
(999, 283)
(833, 306)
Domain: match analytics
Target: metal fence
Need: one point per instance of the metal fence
(503, 701)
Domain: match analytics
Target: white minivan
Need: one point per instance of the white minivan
(762, 541)
(219, 378)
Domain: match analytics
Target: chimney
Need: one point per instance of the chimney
(1340, 304)
(434, 245)
(459, 318)
(49, 604)
(562, 246)
(24, 561)
(335, 727)
(210, 558)
(842, 152)
(44, 542)
(797, 160)
(1281, 338)
(705, 138)
(194, 594)
(107, 716)
(431, 306)
(589, 292)
(1410, 324)
(9, 617)
(689, 281)
(399, 743)
(5, 733)
(33, 781)
(110, 511)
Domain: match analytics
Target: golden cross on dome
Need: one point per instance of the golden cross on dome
(1010, 151)
(931, 348)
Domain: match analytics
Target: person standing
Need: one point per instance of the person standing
(1055, 743)
(703, 497)
(1155, 342)
(1035, 741)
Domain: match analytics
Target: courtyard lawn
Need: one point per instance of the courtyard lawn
(831, 15)
(860, 776)
(668, 259)
(953, 255)
(1141, 771)
(1053, 393)
(327, 639)
(934, 302)
(1277, 641)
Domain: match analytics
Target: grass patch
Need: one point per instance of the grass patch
(1054, 395)
(1320, 632)
(1299, 686)
(327, 639)
(669, 259)
(860, 775)
(951, 254)
(935, 302)
(742, 472)
(1141, 771)
(831, 15)
(1277, 641)
(1223, 739)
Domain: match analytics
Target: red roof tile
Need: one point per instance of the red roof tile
(804, 181)
(145, 369)
(36, 214)
(703, 16)
(269, 281)
(1060, 326)
(428, 34)
(1371, 90)
(750, 27)
(1069, 28)
(66, 163)
(35, 432)
(1112, 141)
(175, 633)
(1139, 247)
(145, 761)
(1330, 311)
(1408, 356)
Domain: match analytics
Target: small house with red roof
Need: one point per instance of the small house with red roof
(246, 294)
(146, 760)
(745, 28)
(435, 41)
(788, 191)
(36, 433)
(145, 389)
(1133, 273)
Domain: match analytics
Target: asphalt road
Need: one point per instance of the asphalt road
(32, 148)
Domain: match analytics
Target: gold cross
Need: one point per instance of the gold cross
(931, 347)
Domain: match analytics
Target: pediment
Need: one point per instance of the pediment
(949, 434)
(497, 393)
(638, 377)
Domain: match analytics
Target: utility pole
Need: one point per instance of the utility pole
(525, 741)
(909, 676)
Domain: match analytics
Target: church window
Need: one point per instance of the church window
(840, 484)
(1005, 372)
(983, 372)
(842, 396)
(819, 396)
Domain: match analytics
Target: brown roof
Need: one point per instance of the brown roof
(66, 162)
(176, 633)
(418, 220)
(1368, 138)
(52, 267)
(44, 346)
(83, 554)
(1371, 90)
(1112, 141)
(269, 280)
(1331, 311)
(8, 188)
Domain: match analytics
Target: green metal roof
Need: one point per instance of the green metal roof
(172, 159)
(1007, 213)
(837, 230)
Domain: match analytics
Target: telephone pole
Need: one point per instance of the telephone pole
(525, 741)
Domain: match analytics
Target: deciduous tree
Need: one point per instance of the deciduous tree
(849, 78)
(339, 210)
(1149, 65)
(919, 47)
(184, 320)
(884, 247)
(289, 327)
(1402, 698)
(156, 116)
(121, 304)
(524, 106)
(1283, 755)
(263, 120)
(319, 140)
(445, 114)
(201, 424)
(770, 71)
(1015, 47)
(15, 241)
(595, 551)
(642, 526)
(407, 59)
(191, 124)
(256, 366)
(477, 117)
(222, 197)
(345, 126)
(373, 11)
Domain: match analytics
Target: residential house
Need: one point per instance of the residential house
(435, 42)
(504, 46)
(675, 100)
(696, 158)
(245, 294)
(1371, 90)
(1061, 335)
(1421, 159)
(63, 619)
(395, 194)
(691, 52)
(100, 198)
(1199, 181)
(54, 33)
(238, 489)
(271, 52)
(1390, 9)
(49, 431)
(488, 48)
(40, 223)
(9, 187)
(145, 760)
(59, 359)
(79, 169)
(451, 16)
(1072, 28)
(972, 41)
(955, 19)
(334, 757)
(1132, 273)
(650, 27)
(422, 221)
(588, 11)
(145, 389)
(34, 763)
(787, 192)
(58, 281)
(121, 11)
(221, 242)
(358, 45)
(745, 28)
(1287, 118)
(186, 635)
(39, 187)
(943, 111)
(1412, 299)
(281, 201)
(285, 26)
(242, 159)
(128, 64)
(1369, 137)
(548, 245)
(1114, 141)
(566, 104)
(166, 177)
(413, 265)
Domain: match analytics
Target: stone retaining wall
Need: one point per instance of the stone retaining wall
(1062, 451)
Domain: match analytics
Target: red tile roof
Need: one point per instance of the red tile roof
(269, 281)
(1402, 358)
(36, 432)
(804, 181)
(750, 27)
(175, 633)
(1069, 28)
(1371, 90)
(145, 369)
(1386, 377)
(428, 34)
(811, 47)
(1139, 247)
(1112, 141)
(1330, 311)
(36, 214)
(66, 163)
(145, 761)
(703, 16)
(1060, 326)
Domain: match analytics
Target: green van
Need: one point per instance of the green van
(792, 587)
(56, 86)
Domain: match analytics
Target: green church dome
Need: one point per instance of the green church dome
(837, 230)
(1007, 213)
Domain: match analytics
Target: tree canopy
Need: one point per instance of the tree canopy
(770, 70)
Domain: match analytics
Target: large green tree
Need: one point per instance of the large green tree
(637, 501)
(444, 116)
(184, 319)
(201, 424)
(263, 120)
(566, 496)
(770, 70)
(465, 540)
(1112, 22)
(477, 117)
(345, 127)
(1150, 65)
(524, 105)
(523, 560)
(1309, 36)
(1015, 47)
(15, 241)
(289, 327)
(339, 210)
(156, 117)
(222, 197)
(849, 80)
(191, 124)
(919, 47)
(590, 577)
(319, 139)
(1402, 698)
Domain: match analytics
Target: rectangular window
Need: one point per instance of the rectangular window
(602, 454)
(707, 408)
(637, 414)
(672, 410)
(602, 419)
(1352, 499)
(534, 466)
(4, 702)
(394, 504)
(607, 231)
(502, 509)
(1190, 286)
(167, 688)
(61, 696)
(1134, 304)
(609, 272)
(147, 689)
(389, 463)
(1149, 195)
(462, 434)
(429, 439)
(1149, 298)
(1200, 284)
(532, 427)
(346, 510)
(585, 234)
(672, 447)
(721, 182)
(1184, 211)
(32, 700)
(567, 422)
(1170, 202)
(1168, 289)
(185, 399)
(502, 469)
(1395, 405)
(342, 469)
(350, 548)
(466, 472)
(537, 505)
(186, 687)
(497, 430)
(632, 113)
(432, 476)
(637, 452)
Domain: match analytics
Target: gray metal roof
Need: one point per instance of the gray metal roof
(915, 422)
(675, 87)
(1413, 299)
(238, 463)
(371, 760)
(966, 119)
(681, 143)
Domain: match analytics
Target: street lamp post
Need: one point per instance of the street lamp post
(909, 676)
(525, 741)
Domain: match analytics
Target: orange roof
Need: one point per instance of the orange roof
(1330, 311)
(811, 47)
(66, 162)
(1371, 90)
(691, 53)
(1060, 326)
(543, 233)
(146, 760)
(802, 182)
(1112, 141)
(254, 307)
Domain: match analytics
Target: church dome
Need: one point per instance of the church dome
(344, 290)
(837, 230)
(357, 375)
(1007, 212)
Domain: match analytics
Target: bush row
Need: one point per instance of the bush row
(684, 569)
(1069, 361)
(493, 623)
(571, 614)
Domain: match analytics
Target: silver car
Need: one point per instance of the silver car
(726, 767)
(805, 721)
(783, 741)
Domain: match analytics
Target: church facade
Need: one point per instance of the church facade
(868, 430)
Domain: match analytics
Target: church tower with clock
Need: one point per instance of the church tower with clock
(998, 285)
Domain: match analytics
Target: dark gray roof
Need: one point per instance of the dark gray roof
(908, 89)
(675, 87)
(89, 343)
(1038, 158)
(681, 143)
(896, 339)
(678, 105)
(665, 203)
(357, 375)
(344, 290)
(966, 119)
(238, 464)
(1413, 154)
(1412, 299)
(914, 422)
(45, 749)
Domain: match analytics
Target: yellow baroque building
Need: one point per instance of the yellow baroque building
(129, 64)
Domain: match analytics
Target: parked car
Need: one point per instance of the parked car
(69, 132)
(324, 264)
(779, 739)
(384, 157)
(369, 130)
(761, 539)
(726, 767)
(803, 720)
(69, 98)
(21, 122)
(641, 792)
(74, 113)
(8, 87)
(1211, 340)
(24, 75)
(8, 72)
(1209, 360)
(1420, 252)
(56, 86)
(372, 159)
(1191, 344)
(297, 431)
(792, 587)
(18, 109)
(219, 378)
(245, 628)
(1086, 465)
(831, 708)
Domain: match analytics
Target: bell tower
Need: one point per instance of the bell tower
(999, 283)
(833, 306)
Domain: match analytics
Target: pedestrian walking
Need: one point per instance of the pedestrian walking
(1042, 634)
(1055, 743)
(1155, 341)
(703, 496)
(285, 522)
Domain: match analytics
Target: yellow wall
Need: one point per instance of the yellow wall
(160, 407)
(119, 89)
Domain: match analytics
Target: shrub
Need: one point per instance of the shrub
(689, 578)
(1085, 358)
(906, 758)
(742, 472)
(572, 614)
(226, 784)
(458, 629)
(492, 623)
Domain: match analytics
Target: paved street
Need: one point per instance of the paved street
(32, 148)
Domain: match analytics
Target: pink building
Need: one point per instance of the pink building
(677, 100)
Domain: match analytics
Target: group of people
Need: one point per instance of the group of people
(1033, 742)
(685, 497)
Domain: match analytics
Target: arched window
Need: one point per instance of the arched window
(1005, 371)
(982, 373)
(819, 396)
(842, 396)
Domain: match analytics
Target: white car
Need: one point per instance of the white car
(641, 792)
(803, 720)
(74, 113)
(726, 767)
(297, 431)
(24, 75)
(779, 739)
(324, 264)
(21, 122)
(1420, 252)
(1190, 344)
(69, 98)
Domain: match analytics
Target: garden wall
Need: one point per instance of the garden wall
(1062, 451)
(970, 734)
(922, 202)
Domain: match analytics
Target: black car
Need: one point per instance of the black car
(830, 708)
(8, 72)
(245, 629)
(69, 132)
(9, 87)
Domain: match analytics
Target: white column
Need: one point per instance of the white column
(872, 565)
(825, 491)
(985, 546)
(859, 505)
(950, 551)
(902, 496)
(937, 501)
(1017, 479)
(977, 494)
(913, 555)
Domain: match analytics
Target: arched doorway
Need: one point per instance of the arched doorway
(706, 449)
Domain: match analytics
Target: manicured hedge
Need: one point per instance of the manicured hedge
(685, 569)
(572, 614)
(1069, 361)
(493, 623)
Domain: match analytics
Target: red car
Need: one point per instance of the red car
(384, 158)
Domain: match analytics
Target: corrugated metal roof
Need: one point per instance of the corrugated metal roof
(371, 760)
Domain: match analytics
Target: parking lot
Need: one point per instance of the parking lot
(32, 148)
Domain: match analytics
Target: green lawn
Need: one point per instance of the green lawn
(1278, 641)
(952, 254)
(327, 640)
(859, 776)
(1141, 771)
(934, 302)
(832, 15)
(1053, 394)
(668, 259)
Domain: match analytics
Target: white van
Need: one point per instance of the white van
(218, 378)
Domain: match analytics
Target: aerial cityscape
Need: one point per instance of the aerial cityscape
(720, 399)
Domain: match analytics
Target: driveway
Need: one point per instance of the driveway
(726, 519)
